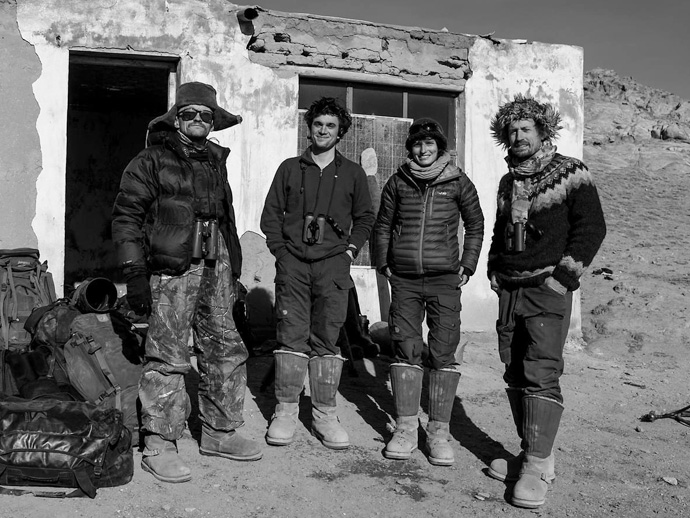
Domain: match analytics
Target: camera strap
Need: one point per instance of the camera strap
(303, 167)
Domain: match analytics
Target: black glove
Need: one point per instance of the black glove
(139, 295)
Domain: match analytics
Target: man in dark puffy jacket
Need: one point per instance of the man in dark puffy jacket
(317, 215)
(417, 249)
(175, 235)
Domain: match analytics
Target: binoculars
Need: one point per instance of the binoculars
(205, 240)
(515, 237)
(517, 232)
(314, 228)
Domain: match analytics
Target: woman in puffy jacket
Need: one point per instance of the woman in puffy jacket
(417, 248)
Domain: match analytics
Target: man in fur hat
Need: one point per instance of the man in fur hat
(549, 226)
(175, 235)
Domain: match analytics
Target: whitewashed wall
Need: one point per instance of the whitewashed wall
(549, 73)
(267, 100)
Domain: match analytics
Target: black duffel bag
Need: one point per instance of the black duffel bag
(62, 444)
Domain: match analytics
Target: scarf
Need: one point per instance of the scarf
(522, 180)
(429, 172)
(190, 147)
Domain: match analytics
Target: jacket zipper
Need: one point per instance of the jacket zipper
(421, 230)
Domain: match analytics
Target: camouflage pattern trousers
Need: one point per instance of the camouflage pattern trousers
(199, 302)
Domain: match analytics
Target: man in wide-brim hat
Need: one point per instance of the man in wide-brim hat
(549, 226)
(176, 240)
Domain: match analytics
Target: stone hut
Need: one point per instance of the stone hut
(82, 79)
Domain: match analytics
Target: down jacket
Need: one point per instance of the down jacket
(416, 233)
(153, 215)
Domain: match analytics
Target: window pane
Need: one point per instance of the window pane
(438, 106)
(312, 89)
(373, 100)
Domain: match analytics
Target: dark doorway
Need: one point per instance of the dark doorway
(111, 101)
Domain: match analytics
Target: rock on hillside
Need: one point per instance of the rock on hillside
(637, 292)
(621, 109)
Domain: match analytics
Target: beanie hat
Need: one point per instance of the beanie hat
(426, 128)
(195, 93)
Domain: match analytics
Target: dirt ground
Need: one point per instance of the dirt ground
(609, 463)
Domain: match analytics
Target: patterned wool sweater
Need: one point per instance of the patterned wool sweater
(566, 227)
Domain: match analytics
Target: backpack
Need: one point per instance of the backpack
(25, 284)
(33, 372)
(102, 362)
(62, 444)
(96, 354)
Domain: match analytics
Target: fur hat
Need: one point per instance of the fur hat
(426, 128)
(195, 93)
(545, 117)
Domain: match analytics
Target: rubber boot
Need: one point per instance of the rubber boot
(406, 383)
(228, 444)
(291, 369)
(508, 470)
(162, 461)
(443, 384)
(324, 378)
(541, 420)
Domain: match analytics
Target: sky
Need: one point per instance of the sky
(648, 40)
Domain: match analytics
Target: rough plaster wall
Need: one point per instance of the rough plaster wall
(303, 40)
(206, 37)
(20, 153)
(551, 73)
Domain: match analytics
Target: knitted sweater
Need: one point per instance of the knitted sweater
(566, 227)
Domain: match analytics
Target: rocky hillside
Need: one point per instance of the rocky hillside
(620, 109)
(637, 145)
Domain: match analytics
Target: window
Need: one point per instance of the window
(384, 101)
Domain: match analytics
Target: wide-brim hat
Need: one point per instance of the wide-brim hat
(195, 93)
(424, 128)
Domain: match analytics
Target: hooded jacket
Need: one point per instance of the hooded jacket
(300, 187)
(154, 211)
(416, 233)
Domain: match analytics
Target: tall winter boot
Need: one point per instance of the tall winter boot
(508, 470)
(324, 378)
(443, 384)
(291, 369)
(162, 461)
(406, 382)
(541, 421)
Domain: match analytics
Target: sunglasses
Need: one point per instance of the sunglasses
(190, 115)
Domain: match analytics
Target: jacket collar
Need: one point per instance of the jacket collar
(450, 172)
(306, 157)
(170, 140)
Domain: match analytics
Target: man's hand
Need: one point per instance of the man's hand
(463, 277)
(387, 272)
(495, 286)
(555, 285)
(350, 255)
(139, 295)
